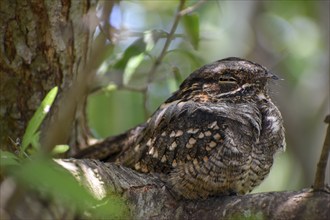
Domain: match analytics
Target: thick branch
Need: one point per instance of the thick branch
(148, 198)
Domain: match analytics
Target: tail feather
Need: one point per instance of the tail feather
(108, 149)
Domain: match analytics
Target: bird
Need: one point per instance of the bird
(216, 135)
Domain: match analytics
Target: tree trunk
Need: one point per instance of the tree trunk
(43, 45)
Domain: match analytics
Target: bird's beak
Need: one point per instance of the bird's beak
(271, 75)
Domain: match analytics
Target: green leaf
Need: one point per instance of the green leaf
(135, 49)
(134, 54)
(37, 118)
(59, 149)
(8, 159)
(131, 66)
(191, 26)
(110, 87)
(35, 141)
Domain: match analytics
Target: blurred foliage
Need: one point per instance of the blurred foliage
(291, 38)
(33, 170)
(31, 135)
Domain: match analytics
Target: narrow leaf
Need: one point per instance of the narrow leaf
(135, 49)
(59, 149)
(191, 25)
(37, 118)
(134, 54)
(131, 66)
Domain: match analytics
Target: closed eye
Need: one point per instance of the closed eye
(227, 80)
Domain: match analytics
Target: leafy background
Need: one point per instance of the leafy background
(291, 38)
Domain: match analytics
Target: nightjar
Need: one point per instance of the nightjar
(216, 135)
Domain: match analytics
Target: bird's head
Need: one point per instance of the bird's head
(226, 78)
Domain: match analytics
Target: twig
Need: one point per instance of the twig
(162, 54)
(192, 8)
(167, 42)
(319, 183)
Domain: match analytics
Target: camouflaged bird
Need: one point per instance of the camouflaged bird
(216, 135)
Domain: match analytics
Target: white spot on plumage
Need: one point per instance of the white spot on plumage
(192, 141)
(192, 131)
(174, 163)
(173, 145)
(261, 96)
(155, 155)
(213, 125)
(159, 117)
(163, 160)
(217, 136)
(137, 148)
(201, 135)
(137, 166)
(149, 143)
(151, 151)
(212, 144)
(178, 133)
(274, 123)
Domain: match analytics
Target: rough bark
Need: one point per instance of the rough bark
(42, 45)
(148, 198)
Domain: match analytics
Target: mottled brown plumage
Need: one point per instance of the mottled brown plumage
(216, 135)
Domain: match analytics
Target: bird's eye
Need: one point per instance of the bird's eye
(227, 80)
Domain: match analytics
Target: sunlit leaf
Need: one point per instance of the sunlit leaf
(135, 49)
(134, 54)
(191, 25)
(59, 149)
(131, 66)
(110, 87)
(37, 118)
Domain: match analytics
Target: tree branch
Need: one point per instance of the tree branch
(148, 198)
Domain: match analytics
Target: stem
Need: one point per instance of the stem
(319, 182)
(162, 54)
(192, 8)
